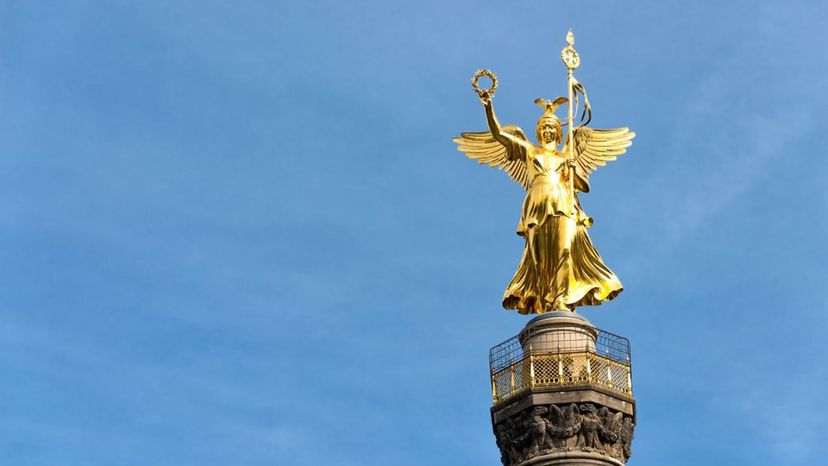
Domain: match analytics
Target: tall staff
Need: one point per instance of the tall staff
(572, 61)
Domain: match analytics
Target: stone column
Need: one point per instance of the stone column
(572, 404)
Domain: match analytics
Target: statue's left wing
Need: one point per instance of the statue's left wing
(596, 147)
(486, 149)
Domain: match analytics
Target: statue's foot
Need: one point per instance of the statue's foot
(560, 305)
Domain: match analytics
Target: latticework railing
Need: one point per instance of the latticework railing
(604, 363)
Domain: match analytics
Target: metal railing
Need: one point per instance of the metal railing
(604, 362)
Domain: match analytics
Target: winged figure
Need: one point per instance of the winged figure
(611, 431)
(560, 268)
(564, 423)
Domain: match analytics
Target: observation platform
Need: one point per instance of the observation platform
(571, 355)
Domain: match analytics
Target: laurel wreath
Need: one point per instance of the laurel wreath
(484, 93)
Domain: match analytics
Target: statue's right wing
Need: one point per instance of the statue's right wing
(510, 158)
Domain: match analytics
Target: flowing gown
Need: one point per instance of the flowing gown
(560, 268)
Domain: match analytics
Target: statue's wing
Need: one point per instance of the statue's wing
(617, 421)
(556, 415)
(572, 419)
(596, 147)
(486, 149)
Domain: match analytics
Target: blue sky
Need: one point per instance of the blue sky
(238, 233)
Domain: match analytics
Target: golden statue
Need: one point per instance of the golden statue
(560, 268)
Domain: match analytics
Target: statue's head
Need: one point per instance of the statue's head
(549, 129)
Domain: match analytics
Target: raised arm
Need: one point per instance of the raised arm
(494, 126)
(503, 146)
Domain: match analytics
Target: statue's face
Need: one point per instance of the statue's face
(548, 133)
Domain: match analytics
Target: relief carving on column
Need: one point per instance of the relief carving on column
(545, 429)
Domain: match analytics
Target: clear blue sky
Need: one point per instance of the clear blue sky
(238, 233)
